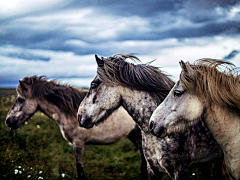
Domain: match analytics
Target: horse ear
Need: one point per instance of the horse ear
(187, 69)
(100, 62)
(23, 85)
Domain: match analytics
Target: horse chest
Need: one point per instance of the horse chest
(152, 151)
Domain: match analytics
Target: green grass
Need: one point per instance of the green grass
(37, 150)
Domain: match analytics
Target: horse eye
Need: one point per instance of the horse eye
(177, 93)
(93, 85)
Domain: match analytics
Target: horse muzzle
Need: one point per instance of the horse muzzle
(85, 122)
(12, 123)
(157, 130)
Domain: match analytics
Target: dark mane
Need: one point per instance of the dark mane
(216, 85)
(65, 97)
(144, 77)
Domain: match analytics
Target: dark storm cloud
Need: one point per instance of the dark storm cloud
(8, 83)
(128, 7)
(9, 80)
(153, 7)
(209, 29)
(77, 29)
(28, 56)
(203, 10)
(232, 55)
(55, 38)
(27, 34)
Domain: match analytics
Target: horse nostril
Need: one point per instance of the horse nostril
(152, 124)
(156, 131)
(160, 131)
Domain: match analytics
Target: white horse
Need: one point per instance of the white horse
(204, 93)
(140, 89)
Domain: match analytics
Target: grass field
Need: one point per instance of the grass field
(38, 151)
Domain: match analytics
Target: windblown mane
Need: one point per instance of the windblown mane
(221, 87)
(65, 97)
(144, 77)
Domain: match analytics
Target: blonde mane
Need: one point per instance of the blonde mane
(211, 82)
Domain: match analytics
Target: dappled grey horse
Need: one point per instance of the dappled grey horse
(140, 89)
(209, 91)
(60, 102)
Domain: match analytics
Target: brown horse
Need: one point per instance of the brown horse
(140, 89)
(60, 102)
(209, 91)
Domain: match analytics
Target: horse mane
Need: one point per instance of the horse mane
(116, 70)
(211, 81)
(65, 97)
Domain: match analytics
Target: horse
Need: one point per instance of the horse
(139, 89)
(207, 91)
(60, 103)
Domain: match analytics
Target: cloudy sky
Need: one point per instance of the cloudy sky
(59, 38)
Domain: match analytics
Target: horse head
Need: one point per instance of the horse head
(100, 101)
(24, 106)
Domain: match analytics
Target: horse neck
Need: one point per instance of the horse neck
(54, 112)
(140, 106)
(225, 127)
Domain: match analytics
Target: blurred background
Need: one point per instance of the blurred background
(59, 38)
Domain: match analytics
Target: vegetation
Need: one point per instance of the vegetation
(38, 151)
